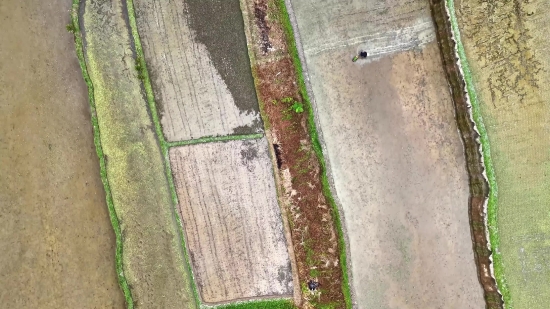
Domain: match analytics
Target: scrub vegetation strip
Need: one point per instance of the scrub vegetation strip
(74, 27)
(314, 135)
(213, 139)
(492, 207)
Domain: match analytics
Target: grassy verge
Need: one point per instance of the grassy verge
(213, 139)
(492, 207)
(75, 28)
(293, 50)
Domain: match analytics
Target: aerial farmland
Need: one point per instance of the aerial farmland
(274, 154)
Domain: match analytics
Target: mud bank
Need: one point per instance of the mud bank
(479, 189)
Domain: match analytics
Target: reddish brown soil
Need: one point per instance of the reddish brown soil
(313, 233)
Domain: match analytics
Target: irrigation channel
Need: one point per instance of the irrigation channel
(56, 240)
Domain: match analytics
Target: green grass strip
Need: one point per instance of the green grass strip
(492, 207)
(213, 139)
(264, 304)
(293, 50)
(144, 74)
(75, 28)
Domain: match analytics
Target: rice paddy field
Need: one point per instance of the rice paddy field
(506, 46)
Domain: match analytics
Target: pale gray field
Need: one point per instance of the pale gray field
(395, 154)
(229, 209)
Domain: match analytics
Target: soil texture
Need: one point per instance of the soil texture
(56, 240)
(396, 159)
(228, 205)
(200, 72)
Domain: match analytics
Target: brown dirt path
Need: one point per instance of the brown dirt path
(506, 43)
(56, 240)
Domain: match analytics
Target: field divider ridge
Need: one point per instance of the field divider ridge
(213, 139)
(123, 283)
(290, 29)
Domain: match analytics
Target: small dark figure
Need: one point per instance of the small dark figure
(312, 285)
(362, 54)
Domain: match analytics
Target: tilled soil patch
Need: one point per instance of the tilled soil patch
(228, 205)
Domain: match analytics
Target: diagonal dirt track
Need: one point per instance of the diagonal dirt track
(396, 158)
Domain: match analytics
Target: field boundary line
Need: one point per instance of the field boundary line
(75, 29)
(485, 150)
(146, 81)
(214, 139)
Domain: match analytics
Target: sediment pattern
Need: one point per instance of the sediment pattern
(228, 205)
(200, 72)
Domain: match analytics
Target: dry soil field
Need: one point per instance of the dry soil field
(506, 44)
(56, 240)
(396, 157)
(228, 204)
(197, 56)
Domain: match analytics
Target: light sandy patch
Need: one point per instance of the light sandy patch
(200, 93)
(379, 28)
(229, 209)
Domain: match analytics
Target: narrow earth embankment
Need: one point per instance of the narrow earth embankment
(56, 242)
(479, 187)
